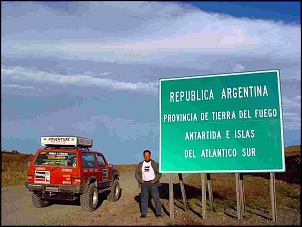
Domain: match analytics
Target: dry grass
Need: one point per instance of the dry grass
(256, 191)
(293, 150)
(257, 202)
(126, 168)
(14, 168)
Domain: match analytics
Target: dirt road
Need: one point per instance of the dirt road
(17, 208)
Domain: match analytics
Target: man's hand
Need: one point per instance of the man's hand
(143, 181)
(152, 182)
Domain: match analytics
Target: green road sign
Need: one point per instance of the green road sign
(221, 123)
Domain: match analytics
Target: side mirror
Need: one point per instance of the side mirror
(110, 165)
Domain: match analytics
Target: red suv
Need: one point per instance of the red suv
(66, 169)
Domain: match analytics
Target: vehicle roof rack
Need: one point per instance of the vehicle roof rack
(65, 146)
(66, 141)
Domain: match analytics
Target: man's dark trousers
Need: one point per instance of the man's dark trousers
(153, 189)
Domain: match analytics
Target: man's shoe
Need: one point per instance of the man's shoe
(143, 216)
(159, 216)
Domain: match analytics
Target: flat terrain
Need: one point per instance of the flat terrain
(17, 208)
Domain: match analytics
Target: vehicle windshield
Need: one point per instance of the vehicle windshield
(56, 158)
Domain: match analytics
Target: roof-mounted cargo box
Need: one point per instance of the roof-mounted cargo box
(69, 141)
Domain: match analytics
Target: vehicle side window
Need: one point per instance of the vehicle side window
(89, 160)
(101, 160)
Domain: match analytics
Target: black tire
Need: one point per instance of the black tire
(89, 200)
(115, 191)
(38, 202)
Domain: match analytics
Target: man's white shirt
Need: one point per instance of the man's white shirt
(148, 172)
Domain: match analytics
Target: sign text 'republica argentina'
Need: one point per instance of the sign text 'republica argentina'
(221, 123)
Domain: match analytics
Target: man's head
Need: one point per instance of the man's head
(147, 155)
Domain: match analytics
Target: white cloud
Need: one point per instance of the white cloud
(238, 68)
(292, 121)
(17, 86)
(26, 74)
(292, 112)
(143, 32)
(163, 33)
(292, 102)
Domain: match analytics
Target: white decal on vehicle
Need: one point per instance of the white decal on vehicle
(42, 177)
(66, 170)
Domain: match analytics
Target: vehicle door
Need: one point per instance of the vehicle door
(90, 166)
(103, 168)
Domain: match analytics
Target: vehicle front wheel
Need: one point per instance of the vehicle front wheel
(115, 191)
(38, 202)
(89, 200)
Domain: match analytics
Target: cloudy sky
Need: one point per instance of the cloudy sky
(92, 68)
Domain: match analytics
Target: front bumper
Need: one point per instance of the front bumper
(74, 189)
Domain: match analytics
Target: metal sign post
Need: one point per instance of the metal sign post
(238, 195)
(210, 191)
(241, 185)
(204, 197)
(273, 196)
(171, 197)
(183, 193)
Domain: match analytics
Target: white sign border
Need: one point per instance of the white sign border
(216, 75)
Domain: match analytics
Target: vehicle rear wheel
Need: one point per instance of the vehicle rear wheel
(89, 200)
(115, 191)
(38, 202)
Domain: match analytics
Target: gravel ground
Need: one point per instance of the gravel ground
(18, 210)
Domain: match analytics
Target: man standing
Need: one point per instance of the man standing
(148, 176)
